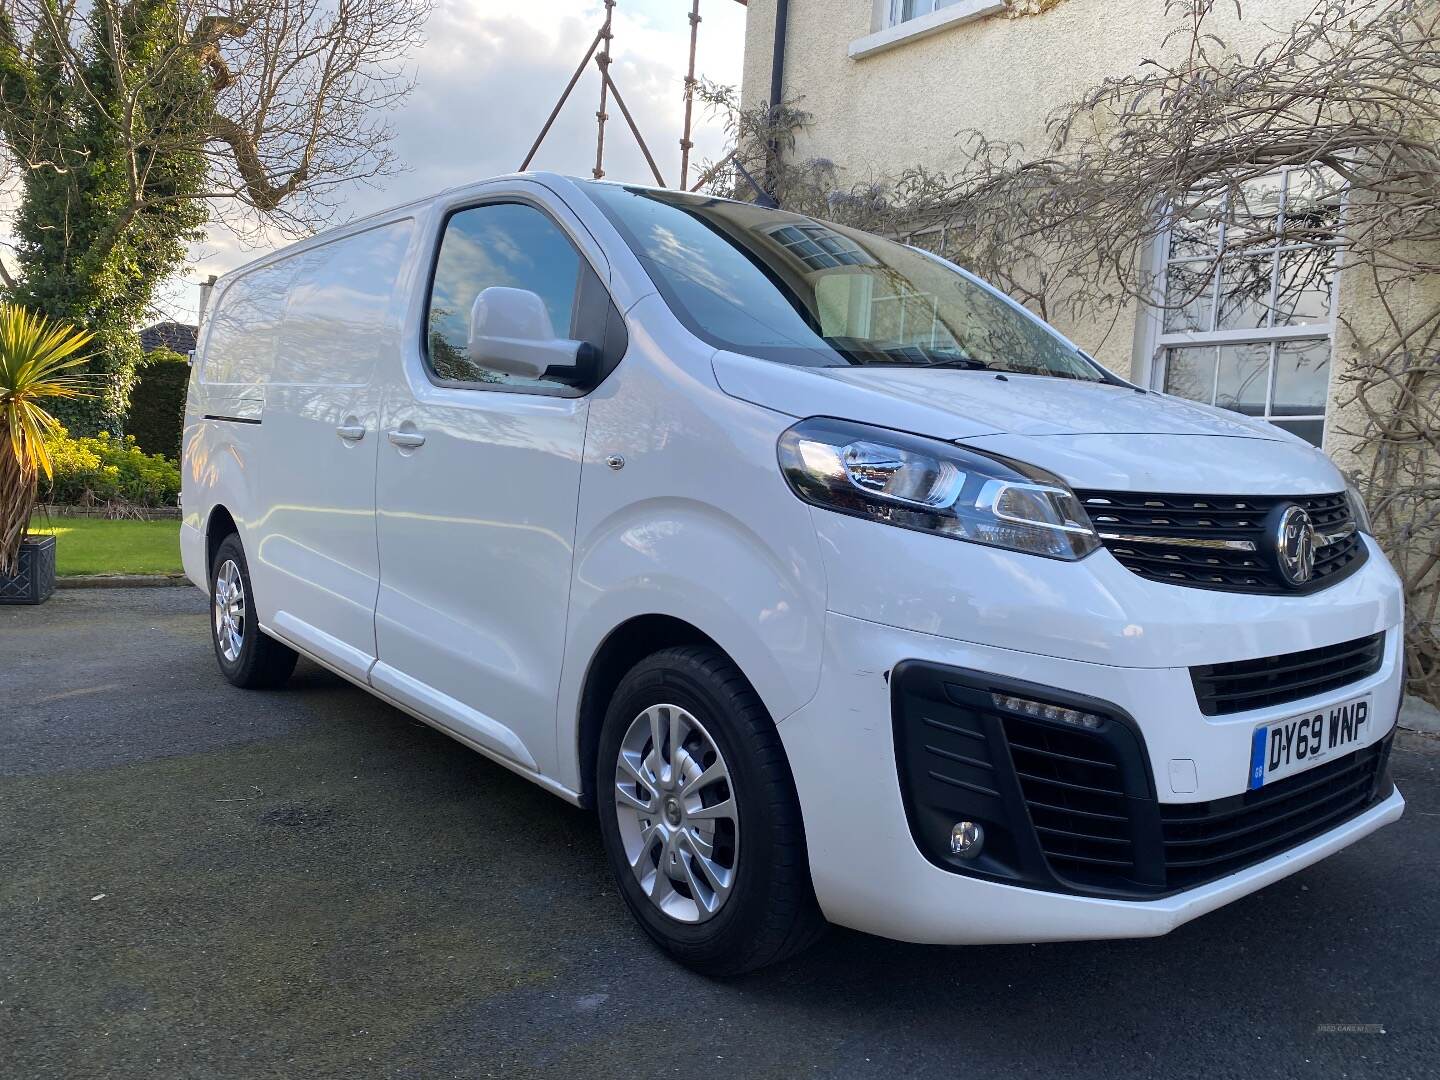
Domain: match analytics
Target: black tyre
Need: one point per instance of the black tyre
(699, 815)
(247, 657)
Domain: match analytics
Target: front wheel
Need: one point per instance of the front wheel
(248, 658)
(700, 818)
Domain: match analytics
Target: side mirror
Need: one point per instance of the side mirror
(510, 331)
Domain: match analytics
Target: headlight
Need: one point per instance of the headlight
(934, 487)
(1358, 513)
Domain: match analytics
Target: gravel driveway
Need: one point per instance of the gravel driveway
(197, 881)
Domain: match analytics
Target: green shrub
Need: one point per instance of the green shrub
(104, 469)
(157, 403)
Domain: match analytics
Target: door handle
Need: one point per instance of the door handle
(407, 440)
(351, 432)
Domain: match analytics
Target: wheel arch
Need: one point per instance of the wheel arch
(219, 524)
(624, 647)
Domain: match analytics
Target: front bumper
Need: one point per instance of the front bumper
(868, 869)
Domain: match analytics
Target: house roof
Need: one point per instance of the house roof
(175, 336)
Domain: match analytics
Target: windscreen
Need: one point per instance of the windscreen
(800, 291)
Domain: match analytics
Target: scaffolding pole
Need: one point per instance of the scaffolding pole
(685, 143)
(635, 130)
(599, 51)
(564, 96)
(603, 60)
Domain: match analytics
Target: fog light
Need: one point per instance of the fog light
(966, 839)
(1040, 710)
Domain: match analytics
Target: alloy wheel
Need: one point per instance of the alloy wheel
(676, 810)
(229, 611)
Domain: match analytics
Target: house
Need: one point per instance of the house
(891, 83)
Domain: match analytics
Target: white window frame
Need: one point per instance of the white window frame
(1154, 341)
(896, 9)
(890, 30)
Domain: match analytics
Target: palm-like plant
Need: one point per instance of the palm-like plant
(37, 361)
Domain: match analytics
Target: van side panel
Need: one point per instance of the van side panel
(312, 550)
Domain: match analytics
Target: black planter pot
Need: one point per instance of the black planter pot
(34, 579)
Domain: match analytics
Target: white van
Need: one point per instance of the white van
(840, 586)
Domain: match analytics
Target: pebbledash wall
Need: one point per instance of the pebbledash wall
(891, 82)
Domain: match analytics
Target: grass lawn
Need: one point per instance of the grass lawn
(97, 546)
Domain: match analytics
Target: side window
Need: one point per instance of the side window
(508, 244)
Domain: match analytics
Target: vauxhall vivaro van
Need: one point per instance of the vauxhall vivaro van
(841, 587)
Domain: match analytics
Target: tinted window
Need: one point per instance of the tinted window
(508, 244)
(790, 288)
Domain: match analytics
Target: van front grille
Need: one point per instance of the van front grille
(1205, 840)
(1073, 787)
(1220, 542)
(1242, 685)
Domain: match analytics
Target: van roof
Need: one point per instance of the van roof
(551, 179)
(361, 223)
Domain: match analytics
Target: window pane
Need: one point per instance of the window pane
(1243, 378)
(1190, 373)
(913, 9)
(506, 244)
(1312, 205)
(1188, 296)
(820, 248)
(1253, 217)
(1245, 292)
(1312, 431)
(1195, 233)
(1302, 377)
(1303, 286)
(1275, 265)
(908, 318)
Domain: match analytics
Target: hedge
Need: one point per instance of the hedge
(157, 403)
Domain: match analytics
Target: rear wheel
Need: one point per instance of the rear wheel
(700, 818)
(248, 658)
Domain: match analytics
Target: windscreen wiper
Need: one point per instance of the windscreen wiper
(955, 363)
(872, 354)
(966, 363)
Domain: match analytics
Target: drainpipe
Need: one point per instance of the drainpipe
(777, 61)
(777, 89)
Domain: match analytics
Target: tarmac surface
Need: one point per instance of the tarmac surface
(197, 881)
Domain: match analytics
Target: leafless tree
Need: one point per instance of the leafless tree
(304, 93)
(133, 124)
(299, 95)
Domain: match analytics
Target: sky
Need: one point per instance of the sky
(489, 74)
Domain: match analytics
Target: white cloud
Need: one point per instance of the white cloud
(488, 76)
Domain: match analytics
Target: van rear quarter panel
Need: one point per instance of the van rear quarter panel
(698, 524)
(292, 346)
(228, 381)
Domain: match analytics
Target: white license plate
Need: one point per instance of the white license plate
(1286, 747)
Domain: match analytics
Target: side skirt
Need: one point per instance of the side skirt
(538, 778)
